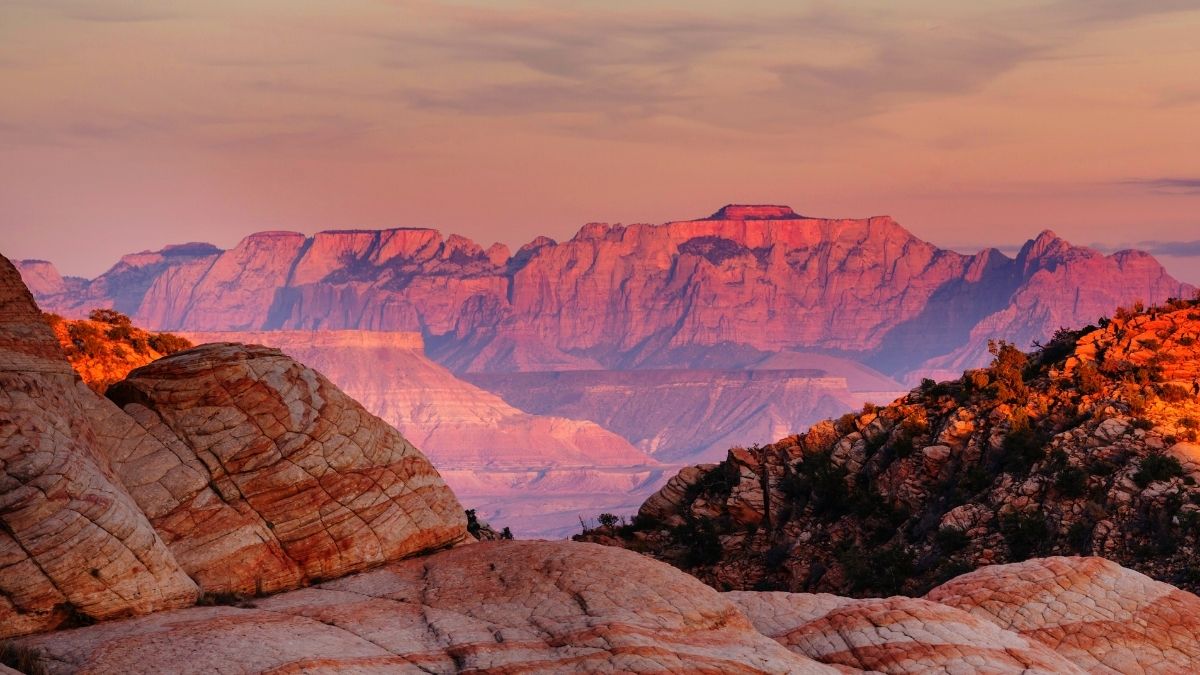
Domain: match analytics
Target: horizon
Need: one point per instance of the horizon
(131, 125)
(1181, 267)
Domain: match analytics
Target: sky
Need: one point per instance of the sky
(126, 125)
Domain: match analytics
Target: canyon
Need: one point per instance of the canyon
(537, 474)
(226, 507)
(683, 339)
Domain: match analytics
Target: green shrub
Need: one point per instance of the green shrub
(168, 343)
(1071, 481)
(1155, 468)
(1027, 535)
(109, 316)
(951, 539)
(1089, 379)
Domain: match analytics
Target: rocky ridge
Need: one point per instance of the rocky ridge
(1085, 447)
(313, 529)
(727, 290)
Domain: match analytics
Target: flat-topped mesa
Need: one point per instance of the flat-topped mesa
(362, 339)
(755, 212)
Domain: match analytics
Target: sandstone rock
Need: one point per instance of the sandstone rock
(491, 607)
(894, 635)
(266, 475)
(1100, 616)
(73, 545)
(536, 474)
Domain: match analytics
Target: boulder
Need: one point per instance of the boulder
(265, 476)
(74, 546)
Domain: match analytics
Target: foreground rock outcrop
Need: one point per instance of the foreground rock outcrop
(1086, 447)
(234, 470)
(74, 546)
(491, 607)
(563, 606)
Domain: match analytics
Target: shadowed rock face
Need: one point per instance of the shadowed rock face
(268, 475)
(73, 544)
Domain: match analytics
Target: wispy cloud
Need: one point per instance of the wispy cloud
(1179, 249)
(1174, 185)
(107, 11)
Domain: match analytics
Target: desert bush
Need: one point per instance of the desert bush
(1027, 535)
(168, 343)
(1155, 468)
(1173, 393)
(1008, 371)
(1071, 481)
(951, 539)
(1089, 379)
(109, 316)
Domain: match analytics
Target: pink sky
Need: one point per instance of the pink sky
(130, 124)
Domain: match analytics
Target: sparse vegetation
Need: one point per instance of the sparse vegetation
(1155, 468)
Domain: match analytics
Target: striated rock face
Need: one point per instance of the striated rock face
(74, 547)
(538, 475)
(268, 476)
(696, 414)
(1104, 618)
(1086, 447)
(745, 283)
(536, 607)
(895, 635)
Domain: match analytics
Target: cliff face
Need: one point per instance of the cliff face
(692, 415)
(312, 528)
(730, 290)
(1085, 447)
(533, 473)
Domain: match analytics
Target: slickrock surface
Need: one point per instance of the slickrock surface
(491, 607)
(723, 291)
(1086, 447)
(267, 475)
(536, 474)
(895, 635)
(1102, 617)
(74, 547)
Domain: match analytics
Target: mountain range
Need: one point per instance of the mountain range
(683, 338)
